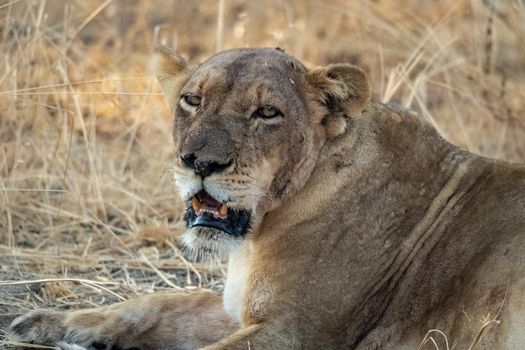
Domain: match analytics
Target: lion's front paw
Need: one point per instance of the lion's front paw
(60, 329)
(45, 327)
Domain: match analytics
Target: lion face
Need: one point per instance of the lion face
(248, 127)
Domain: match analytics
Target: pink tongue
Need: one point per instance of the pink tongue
(208, 201)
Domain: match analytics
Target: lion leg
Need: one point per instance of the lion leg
(148, 322)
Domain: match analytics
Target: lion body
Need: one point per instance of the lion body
(395, 236)
(434, 242)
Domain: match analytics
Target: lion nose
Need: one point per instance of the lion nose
(204, 168)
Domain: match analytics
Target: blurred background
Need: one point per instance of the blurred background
(88, 213)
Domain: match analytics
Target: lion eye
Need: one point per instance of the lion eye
(267, 112)
(192, 100)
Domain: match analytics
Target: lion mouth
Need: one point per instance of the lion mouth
(205, 211)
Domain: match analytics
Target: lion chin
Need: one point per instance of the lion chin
(204, 242)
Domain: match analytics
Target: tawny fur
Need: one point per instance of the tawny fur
(368, 231)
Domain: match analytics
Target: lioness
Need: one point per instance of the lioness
(348, 224)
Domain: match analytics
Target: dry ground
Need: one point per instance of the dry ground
(88, 213)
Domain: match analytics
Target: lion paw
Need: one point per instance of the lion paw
(52, 328)
(38, 327)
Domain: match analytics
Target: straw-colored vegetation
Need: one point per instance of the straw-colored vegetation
(88, 213)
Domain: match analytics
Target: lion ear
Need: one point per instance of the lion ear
(345, 91)
(170, 69)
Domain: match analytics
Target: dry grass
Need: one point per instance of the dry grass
(88, 212)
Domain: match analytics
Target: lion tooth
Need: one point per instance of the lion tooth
(223, 210)
(195, 204)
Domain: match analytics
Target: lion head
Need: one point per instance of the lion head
(248, 127)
